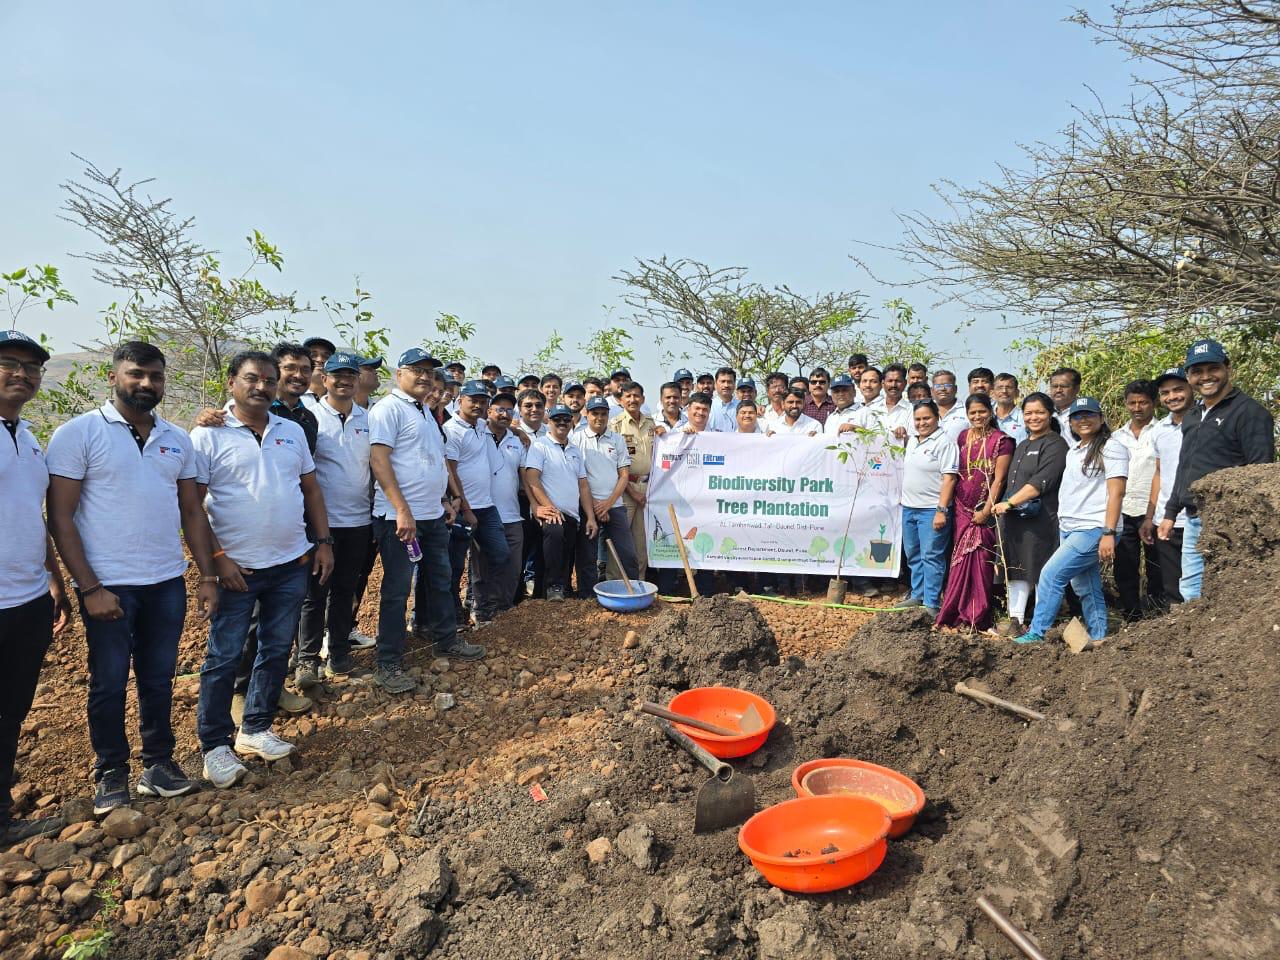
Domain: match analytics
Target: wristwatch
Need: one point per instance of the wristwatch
(327, 541)
(1108, 532)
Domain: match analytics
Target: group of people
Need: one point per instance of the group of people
(288, 495)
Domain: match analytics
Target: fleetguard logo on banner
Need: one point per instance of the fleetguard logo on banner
(669, 460)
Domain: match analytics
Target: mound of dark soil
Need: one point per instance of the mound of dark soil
(700, 643)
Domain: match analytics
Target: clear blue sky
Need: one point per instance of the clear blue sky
(504, 161)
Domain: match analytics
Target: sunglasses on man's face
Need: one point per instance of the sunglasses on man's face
(562, 419)
(817, 383)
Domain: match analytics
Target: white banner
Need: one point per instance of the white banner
(782, 504)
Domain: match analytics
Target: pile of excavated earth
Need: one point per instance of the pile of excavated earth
(541, 816)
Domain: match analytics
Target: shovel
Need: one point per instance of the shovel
(726, 800)
(622, 571)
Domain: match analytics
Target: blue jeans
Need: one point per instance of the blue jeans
(278, 592)
(489, 538)
(146, 636)
(433, 608)
(926, 552)
(1192, 561)
(1075, 562)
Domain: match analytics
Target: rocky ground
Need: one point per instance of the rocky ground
(540, 816)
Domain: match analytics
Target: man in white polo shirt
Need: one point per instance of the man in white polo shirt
(342, 470)
(469, 455)
(33, 601)
(607, 462)
(259, 485)
(122, 492)
(496, 589)
(412, 512)
(794, 422)
(556, 482)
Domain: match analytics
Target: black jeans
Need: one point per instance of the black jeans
(531, 555)
(433, 608)
(616, 528)
(1127, 570)
(362, 580)
(146, 637)
(491, 540)
(1170, 554)
(25, 634)
(350, 546)
(558, 543)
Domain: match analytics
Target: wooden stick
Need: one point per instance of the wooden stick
(987, 698)
(684, 556)
(622, 571)
(656, 711)
(1006, 926)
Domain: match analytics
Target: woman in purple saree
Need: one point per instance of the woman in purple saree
(985, 453)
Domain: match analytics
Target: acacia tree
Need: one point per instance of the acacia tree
(1165, 209)
(748, 326)
(176, 293)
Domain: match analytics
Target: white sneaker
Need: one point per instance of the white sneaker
(223, 768)
(265, 745)
(360, 641)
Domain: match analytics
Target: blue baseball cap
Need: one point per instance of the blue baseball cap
(681, 374)
(342, 361)
(374, 362)
(415, 355)
(841, 380)
(1205, 351)
(12, 338)
(504, 383)
(706, 376)
(573, 385)
(529, 376)
(455, 363)
(1085, 405)
(475, 388)
(1173, 373)
(620, 372)
(746, 382)
(452, 382)
(597, 403)
(559, 410)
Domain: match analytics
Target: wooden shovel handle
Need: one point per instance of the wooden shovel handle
(656, 711)
(684, 555)
(987, 698)
(622, 571)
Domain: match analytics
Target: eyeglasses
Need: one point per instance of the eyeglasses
(13, 365)
(943, 385)
(253, 380)
(419, 374)
(562, 419)
(818, 383)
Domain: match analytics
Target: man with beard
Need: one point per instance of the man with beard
(795, 422)
(724, 403)
(1230, 429)
(122, 492)
(574, 396)
(262, 493)
(33, 601)
(858, 362)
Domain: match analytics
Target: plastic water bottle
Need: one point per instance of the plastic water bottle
(415, 551)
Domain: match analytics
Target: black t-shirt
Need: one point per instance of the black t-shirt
(302, 417)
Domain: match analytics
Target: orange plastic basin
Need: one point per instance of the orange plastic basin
(816, 844)
(838, 776)
(723, 706)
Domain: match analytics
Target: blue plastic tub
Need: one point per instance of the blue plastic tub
(613, 595)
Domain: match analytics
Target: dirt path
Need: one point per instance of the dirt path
(1138, 819)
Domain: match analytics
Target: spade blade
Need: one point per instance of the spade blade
(751, 721)
(724, 803)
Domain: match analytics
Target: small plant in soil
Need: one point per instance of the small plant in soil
(97, 941)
